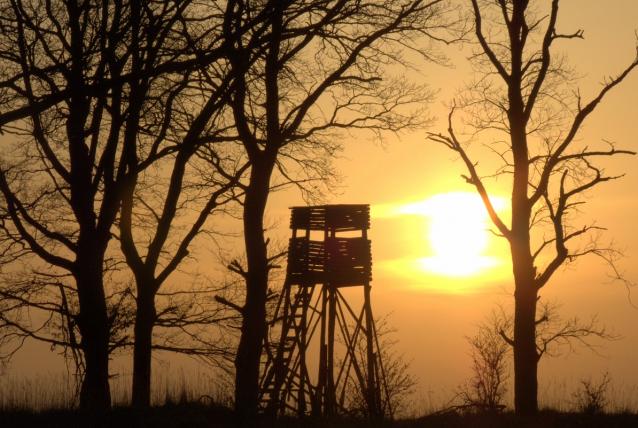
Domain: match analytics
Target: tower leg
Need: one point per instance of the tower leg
(318, 401)
(372, 387)
(306, 296)
(330, 409)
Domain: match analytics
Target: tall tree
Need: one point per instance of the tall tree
(324, 68)
(154, 246)
(76, 76)
(198, 180)
(525, 106)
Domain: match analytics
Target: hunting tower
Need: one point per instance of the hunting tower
(322, 352)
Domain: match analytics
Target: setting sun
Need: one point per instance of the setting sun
(457, 233)
(457, 242)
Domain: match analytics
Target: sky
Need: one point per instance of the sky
(405, 181)
(414, 187)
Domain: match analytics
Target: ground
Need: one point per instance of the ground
(196, 416)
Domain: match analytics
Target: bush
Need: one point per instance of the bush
(591, 396)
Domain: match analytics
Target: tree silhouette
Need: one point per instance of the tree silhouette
(524, 96)
(486, 389)
(186, 115)
(490, 350)
(77, 80)
(323, 68)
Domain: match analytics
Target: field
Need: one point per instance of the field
(194, 415)
(196, 401)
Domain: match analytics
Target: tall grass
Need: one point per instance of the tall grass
(560, 395)
(177, 386)
(39, 392)
(58, 390)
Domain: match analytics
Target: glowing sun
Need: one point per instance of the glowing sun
(458, 233)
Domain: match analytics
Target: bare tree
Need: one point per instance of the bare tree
(160, 221)
(485, 390)
(591, 397)
(526, 108)
(490, 350)
(393, 370)
(37, 304)
(154, 204)
(76, 79)
(321, 70)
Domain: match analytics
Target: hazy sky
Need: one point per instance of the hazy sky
(433, 312)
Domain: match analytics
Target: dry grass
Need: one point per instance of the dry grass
(58, 391)
(187, 400)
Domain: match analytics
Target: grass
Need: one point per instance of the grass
(191, 415)
(57, 391)
(545, 419)
(37, 393)
(196, 415)
(197, 401)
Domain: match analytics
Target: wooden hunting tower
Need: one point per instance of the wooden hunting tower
(322, 351)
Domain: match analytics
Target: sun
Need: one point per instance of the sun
(457, 233)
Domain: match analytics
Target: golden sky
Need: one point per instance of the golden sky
(412, 184)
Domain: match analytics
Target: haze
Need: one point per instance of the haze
(433, 309)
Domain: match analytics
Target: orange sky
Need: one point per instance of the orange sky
(433, 313)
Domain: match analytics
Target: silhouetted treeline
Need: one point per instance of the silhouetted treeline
(131, 126)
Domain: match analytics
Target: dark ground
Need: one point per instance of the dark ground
(196, 416)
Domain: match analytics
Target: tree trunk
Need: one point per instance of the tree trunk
(95, 393)
(253, 327)
(525, 354)
(144, 323)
